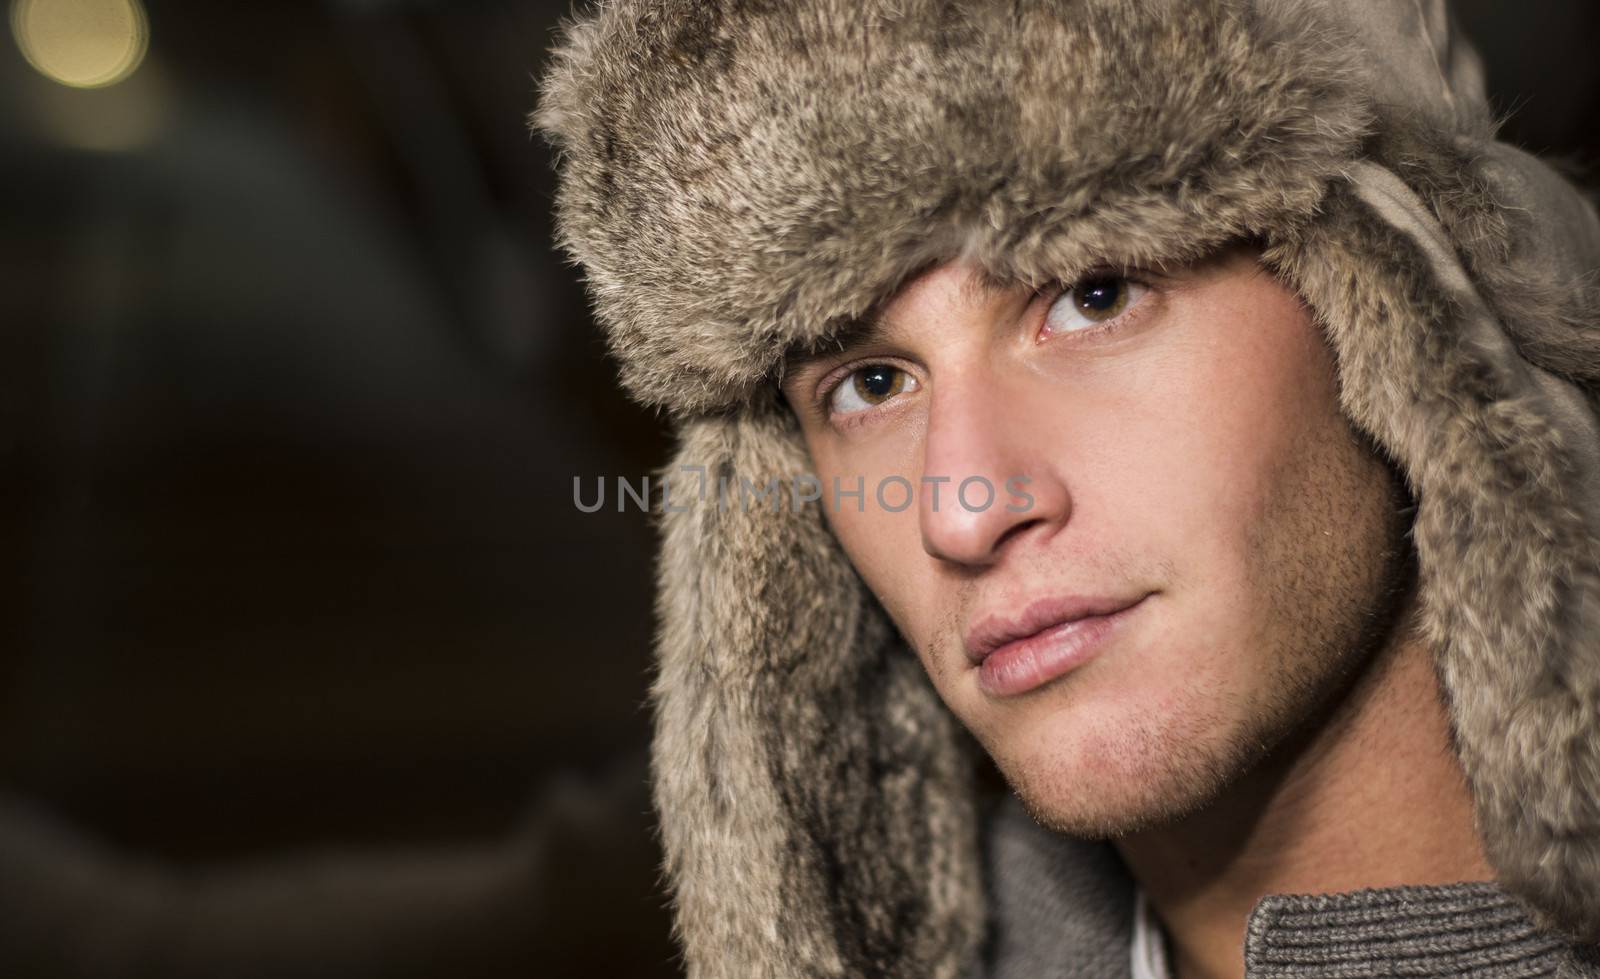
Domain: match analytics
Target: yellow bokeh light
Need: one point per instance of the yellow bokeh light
(81, 43)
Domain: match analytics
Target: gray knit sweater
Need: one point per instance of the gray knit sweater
(1064, 910)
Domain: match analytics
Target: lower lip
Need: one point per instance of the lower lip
(1027, 664)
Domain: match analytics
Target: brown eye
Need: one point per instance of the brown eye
(1100, 299)
(1097, 299)
(870, 386)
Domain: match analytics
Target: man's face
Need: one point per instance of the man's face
(1185, 457)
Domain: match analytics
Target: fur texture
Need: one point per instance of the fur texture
(816, 798)
(745, 177)
(739, 177)
(1505, 535)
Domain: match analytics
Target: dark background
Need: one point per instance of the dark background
(294, 389)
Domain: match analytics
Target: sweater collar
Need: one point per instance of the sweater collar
(1469, 928)
(1064, 907)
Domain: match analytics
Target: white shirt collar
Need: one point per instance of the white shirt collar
(1149, 949)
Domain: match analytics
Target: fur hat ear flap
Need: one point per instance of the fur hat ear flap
(1504, 460)
(806, 771)
(1532, 242)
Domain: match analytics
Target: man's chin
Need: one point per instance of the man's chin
(1106, 791)
(1096, 814)
(1106, 819)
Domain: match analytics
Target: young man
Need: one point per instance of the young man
(1203, 408)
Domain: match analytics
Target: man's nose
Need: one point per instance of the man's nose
(986, 479)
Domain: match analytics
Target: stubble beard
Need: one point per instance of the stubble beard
(1346, 600)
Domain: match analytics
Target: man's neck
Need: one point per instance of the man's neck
(1373, 797)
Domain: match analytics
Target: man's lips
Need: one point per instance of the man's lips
(1049, 637)
(991, 632)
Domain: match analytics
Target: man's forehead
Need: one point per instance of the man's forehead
(974, 284)
(974, 281)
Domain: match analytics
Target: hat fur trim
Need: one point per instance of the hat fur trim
(733, 189)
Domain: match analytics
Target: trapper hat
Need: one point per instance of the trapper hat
(740, 178)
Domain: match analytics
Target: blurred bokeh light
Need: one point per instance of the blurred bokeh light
(81, 43)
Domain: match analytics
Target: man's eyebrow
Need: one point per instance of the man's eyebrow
(860, 331)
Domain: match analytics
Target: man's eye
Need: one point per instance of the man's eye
(869, 386)
(1092, 301)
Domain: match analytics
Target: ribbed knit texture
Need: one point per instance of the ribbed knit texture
(1063, 910)
(1474, 929)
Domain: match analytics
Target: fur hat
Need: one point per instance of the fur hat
(741, 178)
